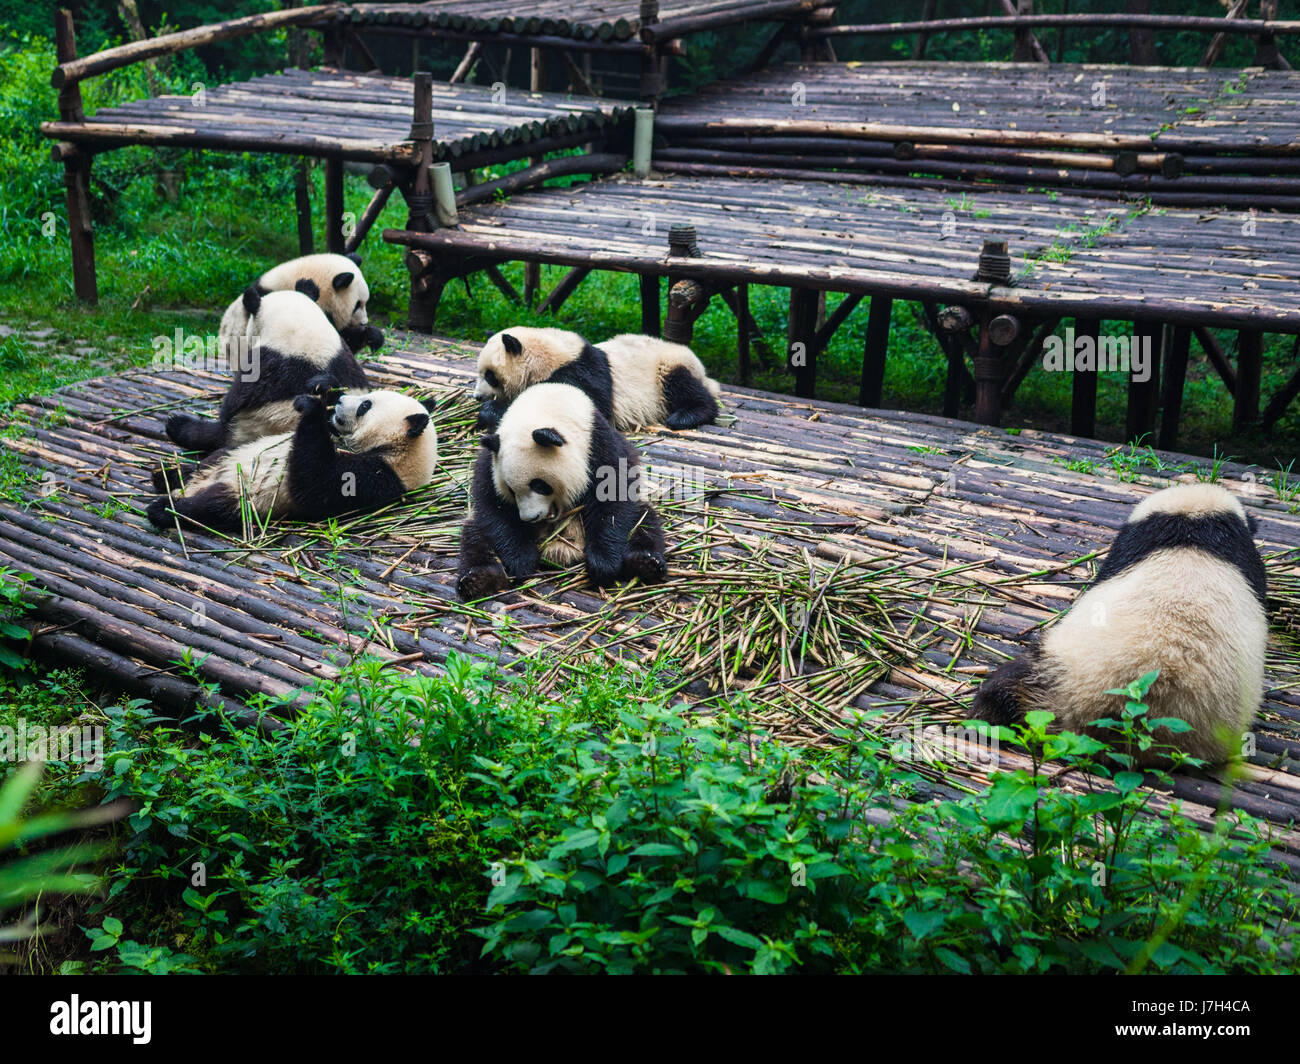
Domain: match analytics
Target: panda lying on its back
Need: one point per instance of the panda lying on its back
(633, 380)
(334, 282)
(1182, 591)
(292, 349)
(541, 490)
(391, 444)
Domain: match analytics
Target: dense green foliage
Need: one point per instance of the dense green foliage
(468, 822)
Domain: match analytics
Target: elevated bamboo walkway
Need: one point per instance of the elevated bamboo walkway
(912, 553)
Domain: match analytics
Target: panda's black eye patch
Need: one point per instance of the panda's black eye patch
(491, 378)
(541, 487)
(366, 404)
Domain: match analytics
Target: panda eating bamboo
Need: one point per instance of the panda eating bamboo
(539, 493)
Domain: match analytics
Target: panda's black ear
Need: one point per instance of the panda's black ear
(512, 346)
(252, 298)
(342, 280)
(491, 441)
(548, 438)
(429, 403)
(354, 257)
(416, 424)
(309, 288)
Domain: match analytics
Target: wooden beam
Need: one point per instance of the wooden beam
(1083, 385)
(567, 285)
(334, 238)
(368, 217)
(1216, 356)
(742, 333)
(801, 355)
(76, 172)
(1245, 407)
(1027, 47)
(874, 350)
(1144, 396)
(1215, 48)
(1172, 384)
(1286, 394)
(467, 62)
(649, 285)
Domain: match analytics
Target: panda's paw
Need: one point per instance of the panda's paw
(482, 581)
(373, 338)
(489, 416)
(159, 515)
(306, 403)
(682, 419)
(321, 385)
(649, 565)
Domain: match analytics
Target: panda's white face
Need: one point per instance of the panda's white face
(541, 449)
(346, 299)
(513, 359)
(398, 423)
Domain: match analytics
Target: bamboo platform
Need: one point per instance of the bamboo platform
(346, 115)
(912, 554)
(608, 21)
(1071, 255)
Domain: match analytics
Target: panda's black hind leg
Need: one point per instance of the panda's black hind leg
(195, 433)
(644, 557)
(215, 508)
(1000, 698)
(688, 401)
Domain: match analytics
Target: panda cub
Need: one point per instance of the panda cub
(334, 282)
(542, 490)
(1182, 591)
(633, 380)
(292, 349)
(391, 448)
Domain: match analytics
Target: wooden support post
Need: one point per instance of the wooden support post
(1142, 42)
(466, 65)
(874, 350)
(1173, 380)
(1026, 49)
(650, 304)
(427, 280)
(76, 171)
(742, 333)
(302, 206)
(687, 300)
(989, 372)
(373, 209)
(1216, 356)
(1266, 53)
(927, 15)
(334, 238)
(536, 81)
(1083, 384)
(801, 341)
(1144, 396)
(1245, 407)
(652, 62)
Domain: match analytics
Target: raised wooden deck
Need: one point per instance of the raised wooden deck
(933, 546)
(363, 117)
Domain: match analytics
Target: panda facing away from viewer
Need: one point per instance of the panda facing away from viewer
(1182, 590)
(557, 482)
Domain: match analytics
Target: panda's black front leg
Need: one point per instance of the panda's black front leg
(645, 549)
(495, 545)
(489, 414)
(606, 528)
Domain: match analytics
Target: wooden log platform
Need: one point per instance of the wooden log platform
(1065, 106)
(346, 115)
(606, 21)
(898, 558)
(1070, 255)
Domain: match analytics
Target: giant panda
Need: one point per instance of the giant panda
(391, 447)
(292, 349)
(633, 380)
(334, 282)
(1181, 590)
(556, 482)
